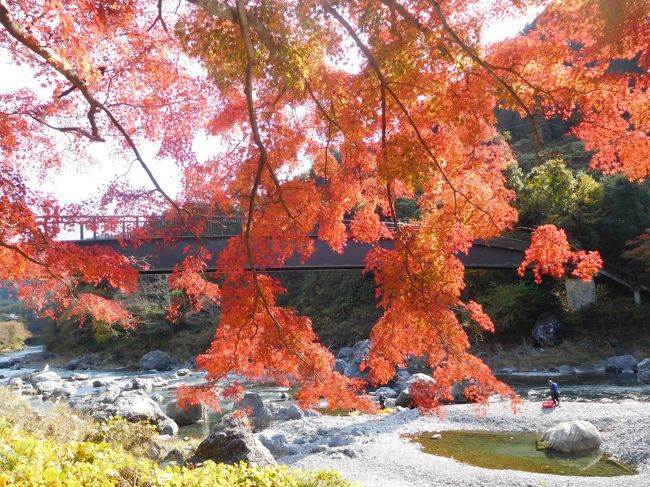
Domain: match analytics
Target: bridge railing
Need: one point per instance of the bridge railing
(110, 227)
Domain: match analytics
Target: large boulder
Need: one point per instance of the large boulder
(643, 371)
(358, 353)
(45, 375)
(131, 405)
(400, 381)
(231, 442)
(156, 360)
(572, 436)
(404, 397)
(548, 330)
(193, 414)
(620, 363)
(260, 415)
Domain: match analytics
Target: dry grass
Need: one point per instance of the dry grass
(56, 421)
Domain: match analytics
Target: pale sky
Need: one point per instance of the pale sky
(73, 186)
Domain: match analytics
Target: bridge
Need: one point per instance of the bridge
(164, 245)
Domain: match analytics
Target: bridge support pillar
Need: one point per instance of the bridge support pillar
(579, 293)
(637, 295)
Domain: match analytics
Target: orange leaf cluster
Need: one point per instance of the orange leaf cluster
(549, 254)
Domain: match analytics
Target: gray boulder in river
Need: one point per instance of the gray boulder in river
(620, 363)
(156, 359)
(131, 405)
(643, 371)
(572, 436)
(260, 415)
(184, 417)
(231, 442)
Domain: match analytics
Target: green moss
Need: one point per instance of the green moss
(516, 451)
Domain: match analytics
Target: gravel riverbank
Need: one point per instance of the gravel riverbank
(380, 457)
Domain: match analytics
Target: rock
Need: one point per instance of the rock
(341, 440)
(437, 436)
(137, 406)
(359, 352)
(183, 373)
(184, 417)
(548, 330)
(620, 362)
(131, 405)
(340, 365)
(643, 371)
(627, 370)
(404, 397)
(254, 407)
(572, 436)
(76, 376)
(400, 382)
(174, 458)
(156, 360)
(278, 445)
(386, 391)
(350, 452)
(167, 427)
(44, 375)
(140, 383)
(319, 449)
(290, 412)
(231, 442)
(103, 381)
(157, 397)
(7, 364)
(344, 353)
(83, 362)
(15, 383)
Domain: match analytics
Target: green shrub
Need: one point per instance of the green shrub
(514, 308)
(26, 460)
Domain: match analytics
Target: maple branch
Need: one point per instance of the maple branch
(75, 130)
(160, 18)
(250, 102)
(222, 10)
(320, 107)
(63, 68)
(26, 256)
(488, 67)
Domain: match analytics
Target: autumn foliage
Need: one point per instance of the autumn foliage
(377, 99)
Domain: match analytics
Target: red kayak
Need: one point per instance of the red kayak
(548, 404)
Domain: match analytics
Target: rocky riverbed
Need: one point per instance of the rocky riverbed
(371, 451)
(368, 449)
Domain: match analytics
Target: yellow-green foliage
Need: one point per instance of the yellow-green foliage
(136, 438)
(12, 335)
(26, 460)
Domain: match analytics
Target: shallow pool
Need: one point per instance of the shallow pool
(516, 451)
